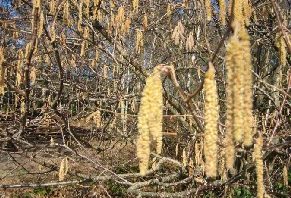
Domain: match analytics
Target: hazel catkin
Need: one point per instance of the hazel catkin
(150, 119)
(211, 120)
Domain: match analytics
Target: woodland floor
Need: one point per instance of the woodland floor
(39, 164)
(93, 160)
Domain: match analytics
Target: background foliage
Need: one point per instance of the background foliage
(72, 73)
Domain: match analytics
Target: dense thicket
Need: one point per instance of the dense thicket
(72, 71)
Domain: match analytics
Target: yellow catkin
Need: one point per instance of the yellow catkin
(150, 119)
(228, 141)
(135, 5)
(259, 166)
(208, 10)
(83, 46)
(178, 33)
(96, 2)
(105, 72)
(239, 77)
(15, 35)
(190, 42)
(87, 8)
(281, 45)
(191, 167)
(238, 11)
(36, 7)
(86, 33)
(229, 7)
(120, 17)
(145, 22)
(247, 83)
(22, 107)
(222, 11)
(111, 23)
(84, 42)
(112, 5)
(177, 150)
(126, 26)
(36, 3)
(211, 120)
(99, 15)
(36, 49)
(40, 25)
(18, 68)
(238, 121)
(63, 169)
(2, 71)
(234, 61)
(247, 11)
(198, 154)
(80, 16)
(27, 49)
(169, 10)
(63, 38)
(95, 9)
(66, 14)
(52, 7)
(53, 32)
(32, 75)
(139, 41)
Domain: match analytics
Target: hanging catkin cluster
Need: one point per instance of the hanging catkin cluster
(247, 107)
(222, 11)
(239, 89)
(239, 116)
(150, 119)
(178, 33)
(235, 64)
(120, 22)
(208, 9)
(211, 120)
(242, 11)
